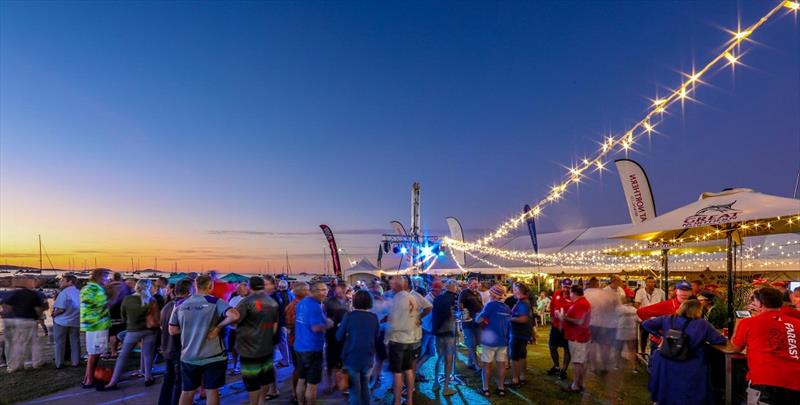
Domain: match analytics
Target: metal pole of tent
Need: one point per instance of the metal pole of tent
(665, 264)
(729, 245)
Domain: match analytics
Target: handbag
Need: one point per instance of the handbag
(153, 318)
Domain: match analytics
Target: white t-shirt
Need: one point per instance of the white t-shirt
(234, 302)
(604, 307)
(644, 298)
(485, 297)
(404, 326)
(626, 322)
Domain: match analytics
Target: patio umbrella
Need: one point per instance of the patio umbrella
(235, 278)
(731, 214)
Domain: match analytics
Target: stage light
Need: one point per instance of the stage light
(426, 251)
(792, 5)
(403, 250)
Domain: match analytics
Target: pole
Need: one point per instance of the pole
(40, 253)
(729, 245)
(665, 264)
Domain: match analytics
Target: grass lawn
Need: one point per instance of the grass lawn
(621, 387)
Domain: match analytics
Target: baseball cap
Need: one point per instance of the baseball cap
(683, 285)
(256, 283)
(566, 282)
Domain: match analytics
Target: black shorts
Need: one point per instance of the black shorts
(116, 328)
(557, 338)
(309, 367)
(257, 372)
(402, 356)
(519, 348)
(380, 348)
(333, 353)
(211, 375)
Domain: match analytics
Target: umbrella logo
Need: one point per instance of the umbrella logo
(721, 208)
(712, 215)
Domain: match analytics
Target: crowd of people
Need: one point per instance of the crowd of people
(341, 336)
(594, 325)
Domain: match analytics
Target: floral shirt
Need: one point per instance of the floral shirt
(94, 308)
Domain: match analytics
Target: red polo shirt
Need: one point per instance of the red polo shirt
(560, 301)
(668, 307)
(790, 312)
(580, 309)
(223, 289)
(773, 356)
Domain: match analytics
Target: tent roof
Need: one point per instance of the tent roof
(363, 265)
(704, 218)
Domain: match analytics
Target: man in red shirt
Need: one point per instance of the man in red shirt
(560, 303)
(576, 330)
(221, 289)
(683, 290)
(773, 356)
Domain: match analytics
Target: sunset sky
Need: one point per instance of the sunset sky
(221, 134)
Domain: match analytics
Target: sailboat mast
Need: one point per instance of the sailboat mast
(40, 253)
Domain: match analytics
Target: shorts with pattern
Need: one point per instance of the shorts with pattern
(257, 372)
(97, 342)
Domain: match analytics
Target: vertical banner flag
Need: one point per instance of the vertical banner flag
(398, 228)
(531, 229)
(380, 255)
(337, 268)
(638, 194)
(457, 233)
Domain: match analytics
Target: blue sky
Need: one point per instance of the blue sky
(139, 125)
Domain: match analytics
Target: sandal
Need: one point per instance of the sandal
(486, 393)
(514, 385)
(572, 390)
(500, 392)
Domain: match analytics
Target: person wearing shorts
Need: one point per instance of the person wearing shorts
(310, 325)
(495, 319)
(258, 324)
(576, 330)
(521, 333)
(199, 319)
(404, 334)
(443, 324)
(94, 321)
(559, 304)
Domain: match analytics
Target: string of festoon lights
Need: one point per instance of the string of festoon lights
(624, 143)
(597, 256)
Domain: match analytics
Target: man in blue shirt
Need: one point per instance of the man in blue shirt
(494, 338)
(309, 327)
(66, 321)
(521, 333)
